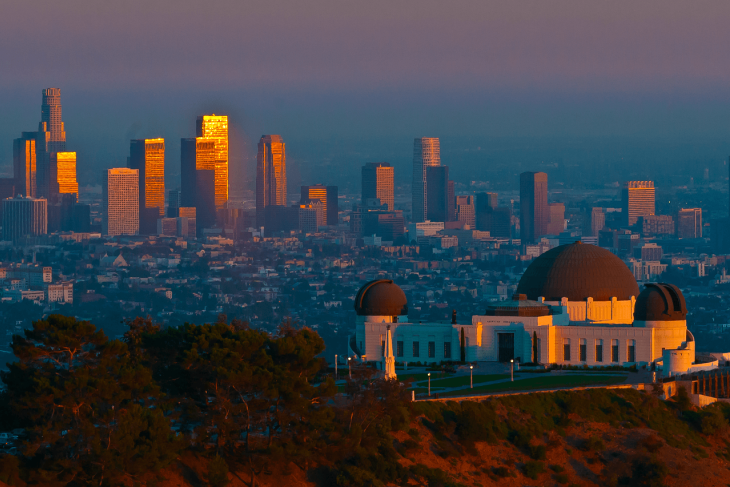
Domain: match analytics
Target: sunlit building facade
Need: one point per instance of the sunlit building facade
(270, 175)
(426, 152)
(327, 195)
(120, 191)
(377, 182)
(215, 127)
(25, 165)
(148, 157)
(63, 174)
(637, 199)
(197, 178)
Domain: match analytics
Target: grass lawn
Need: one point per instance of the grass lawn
(547, 382)
(463, 380)
(420, 376)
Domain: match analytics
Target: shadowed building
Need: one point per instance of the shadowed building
(426, 153)
(215, 127)
(533, 206)
(377, 182)
(327, 195)
(637, 200)
(197, 179)
(24, 217)
(556, 218)
(437, 194)
(120, 192)
(270, 175)
(484, 204)
(465, 210)
(25, 164)
(689, 223)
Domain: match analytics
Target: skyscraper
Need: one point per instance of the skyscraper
(465, 211)
(148, 157)
(52, 122)
(327, 195)
(63, 174)
(377, 182)
(689, 223)
(25, 164)
(120, 191)
(533, 205)
(437, 194)
(270, 175)
(24, 217)
(426, 152)
(197, 178)
(556, 218)
(484, 204)
(215, 127)
(637, 199)
(598, 221)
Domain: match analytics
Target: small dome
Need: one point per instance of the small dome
(660, 302)
(381, 298)
(578, 271)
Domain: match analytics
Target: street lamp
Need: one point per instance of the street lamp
(349, 366)
(335, 366)
(512, 370)
(471, 376)
(429, 383)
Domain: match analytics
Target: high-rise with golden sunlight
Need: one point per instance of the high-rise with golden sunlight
(63, 174)
(197, 178)
(426, 152)
(25, 165)
(120, 189)
(215, 127)
(148, 157)
(328, 196)
(377, 182)
(270, 175)
(50, 138)
(637, 199)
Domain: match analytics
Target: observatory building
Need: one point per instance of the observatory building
(577, 304)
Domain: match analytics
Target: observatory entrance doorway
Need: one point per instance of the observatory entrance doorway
(506, 346)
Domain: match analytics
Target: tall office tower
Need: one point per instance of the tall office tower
(556, 218)
(63, 174)
(484, 204)
(173, 203)
(52, 122)
(270, 175)
(437, 194)
(25, 164)
(533, 206)
(120, 191)
(426, 152)
(377, 182)
(465, 211)
(7, 190)
(598, 221)
(637, 199)
(215, 127)
(501, 222)
(451, 212)
(148, 157)
(24, 217)
(327, 195)
(197, 178)
(689, 223)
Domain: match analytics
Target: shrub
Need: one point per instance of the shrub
(532, 469)
(713, 421)
(501, 472)
(647, 471)
(593, 444)
(538, 452)
(682, 399)
(561, 478)
(217, 472)
(651, 443)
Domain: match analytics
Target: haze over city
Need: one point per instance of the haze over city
(626, 86)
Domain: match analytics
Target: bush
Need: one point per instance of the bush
(651, 443)
(501, 472)
(647, 471)
(557, 468)
(217, 472)
(593, 444)
(561, 478)
(538, 452)
(532, 469)
(713, 421)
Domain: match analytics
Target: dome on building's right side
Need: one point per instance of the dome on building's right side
(578, 271)
(660, 302)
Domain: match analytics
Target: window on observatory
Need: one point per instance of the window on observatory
(431, 349)
(614, 350)
(382, 345)
(416, 350)
(632, 350)
(447, 349)
(399, 348)
(599, 350)
(566, 350)
(583, 350)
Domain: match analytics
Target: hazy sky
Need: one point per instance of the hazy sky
(349, 81)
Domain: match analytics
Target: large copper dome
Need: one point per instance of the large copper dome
(578, 271)
(381, 298)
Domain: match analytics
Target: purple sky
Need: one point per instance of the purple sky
(317, 69)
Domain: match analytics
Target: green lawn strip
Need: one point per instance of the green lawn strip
(417, 377)
(463, 380)
(548, 382)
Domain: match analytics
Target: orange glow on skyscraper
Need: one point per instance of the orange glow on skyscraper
(63, 173)
(216, 127)
(24, 165)
(270, 175)
(148, 156)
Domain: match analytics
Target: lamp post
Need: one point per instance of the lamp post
(512, 370)
(349, 366)
(471, 376)
(429, 383)
(335, 366)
